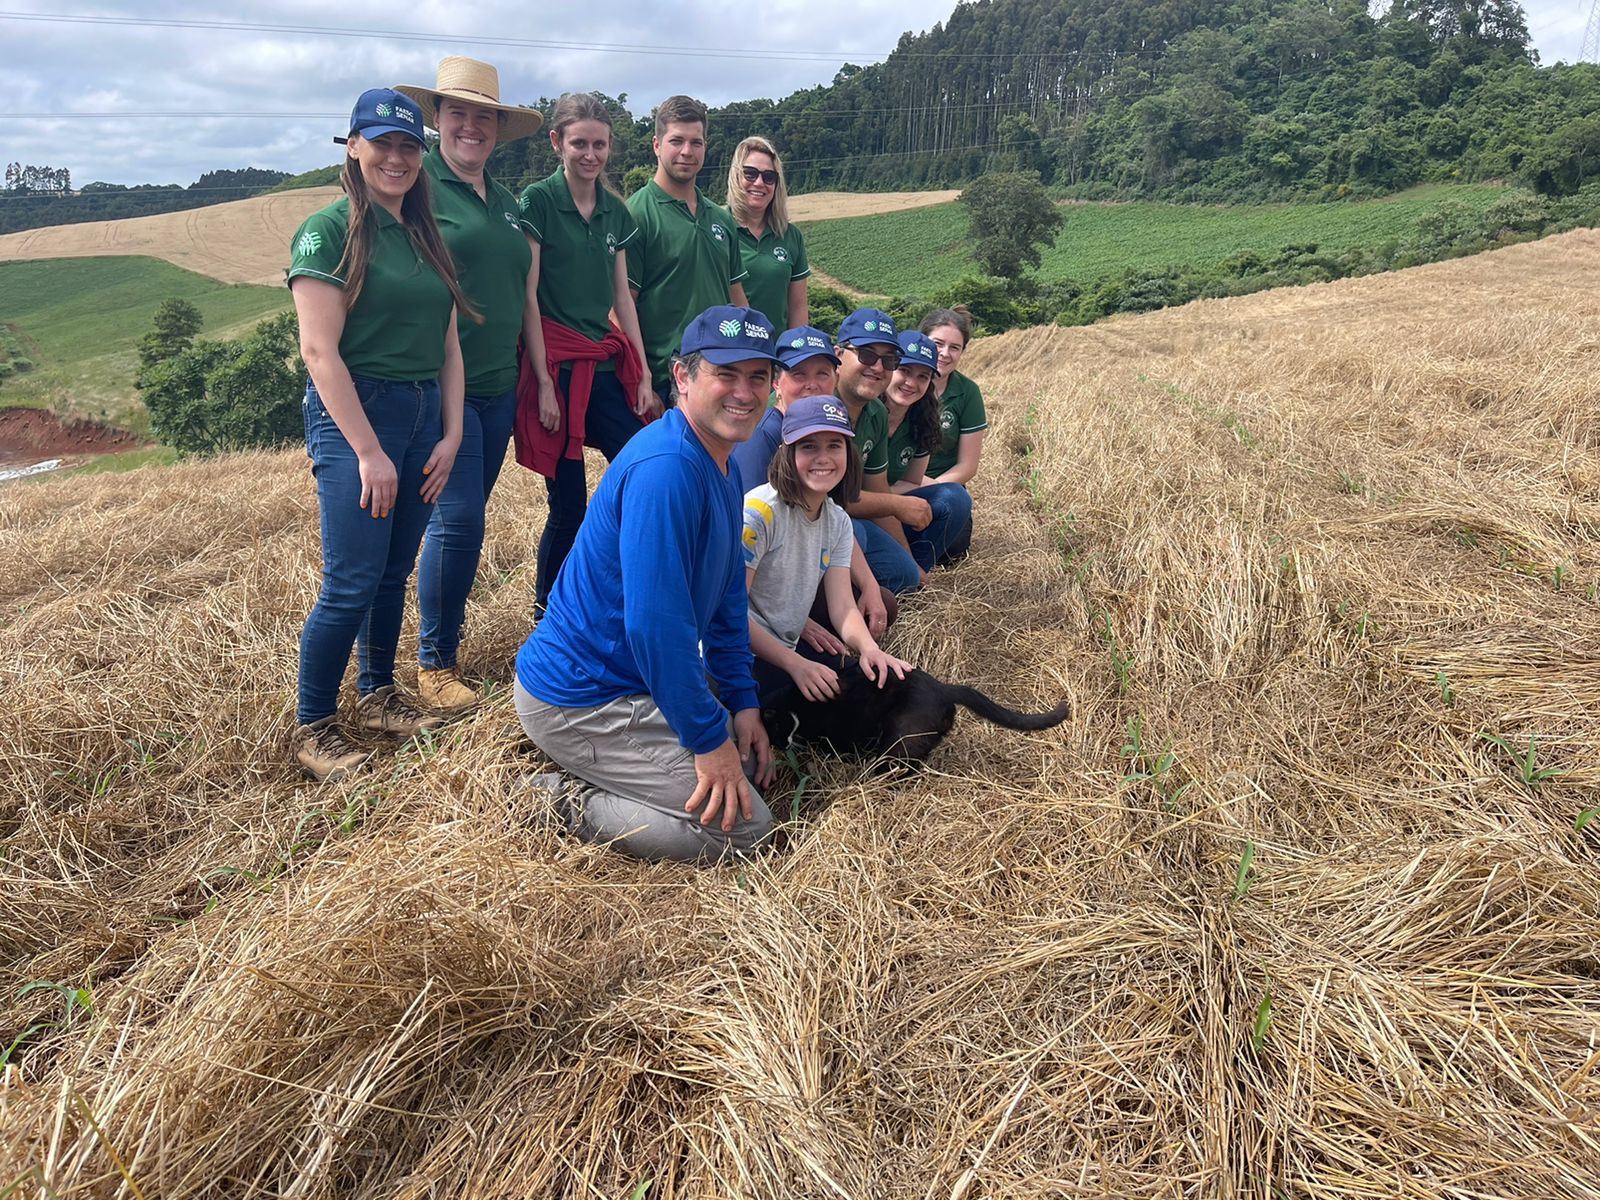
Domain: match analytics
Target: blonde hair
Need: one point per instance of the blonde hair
(778, 210)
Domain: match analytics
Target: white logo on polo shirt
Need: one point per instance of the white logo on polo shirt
(718, 232)
(310, 242)
(781, 253)
(611, 243)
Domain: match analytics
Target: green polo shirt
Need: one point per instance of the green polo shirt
(396, 329)
(772, 263)
(872, 437)
(492, 261)
(577, 258)
(960, 411)
(681, 265)
(902, 450)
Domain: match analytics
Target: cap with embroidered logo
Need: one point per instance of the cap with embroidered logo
(807, 341)
(866, 326)
(728, 334)
(917, 351)
(815, 414)
(384, 110)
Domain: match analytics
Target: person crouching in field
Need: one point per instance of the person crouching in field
(913, 436)
(809, 367)
(962, 421)
(376, 294)
(612, 683)
(797, 538)
(478, 218)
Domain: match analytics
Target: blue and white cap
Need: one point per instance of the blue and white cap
(384, 110)
(816, 414)
(807, 341)
(917, 351)
(866, 326)
(728, 334)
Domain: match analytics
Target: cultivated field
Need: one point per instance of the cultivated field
(915, 253)
(1269, 917)
(247, 241)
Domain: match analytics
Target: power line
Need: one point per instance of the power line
(528, 43)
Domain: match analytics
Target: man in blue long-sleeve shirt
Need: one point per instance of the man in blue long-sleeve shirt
(612, 683)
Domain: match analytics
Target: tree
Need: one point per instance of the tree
(636, 178)
(1012, 219)
(217, 396)
(172, 332)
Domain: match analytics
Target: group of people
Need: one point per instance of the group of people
(769, 493)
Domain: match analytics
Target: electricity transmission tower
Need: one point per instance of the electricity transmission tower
(1591, 36)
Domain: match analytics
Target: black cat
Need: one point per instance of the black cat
(900, 722)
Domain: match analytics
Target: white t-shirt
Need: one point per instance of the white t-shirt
(790, 555)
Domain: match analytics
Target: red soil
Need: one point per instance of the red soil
(30, 434)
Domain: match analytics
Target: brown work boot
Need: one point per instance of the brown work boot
(387, 711)
(325, 752)
(444, 688)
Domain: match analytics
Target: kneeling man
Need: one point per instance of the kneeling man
(612, 684)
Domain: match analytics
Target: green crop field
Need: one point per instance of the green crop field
(80, 321)
(918, 251)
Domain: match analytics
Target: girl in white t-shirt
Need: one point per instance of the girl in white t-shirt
(795, 535)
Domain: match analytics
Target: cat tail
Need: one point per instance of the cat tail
(975, 701)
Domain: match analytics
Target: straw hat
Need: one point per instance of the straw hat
(476, 83)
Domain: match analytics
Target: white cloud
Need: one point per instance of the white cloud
(69, 67)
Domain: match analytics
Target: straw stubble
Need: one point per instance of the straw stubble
(1257, 531)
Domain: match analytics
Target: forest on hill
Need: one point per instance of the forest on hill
(1195, 100)
(1190, 100)
(35, 196)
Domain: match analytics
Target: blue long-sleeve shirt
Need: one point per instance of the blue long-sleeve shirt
(656, 574)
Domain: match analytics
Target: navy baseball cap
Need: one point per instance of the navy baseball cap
(816, 414)
(384, 110)
(866, 326)
(917, 351)
(728, 334)
(807, 341)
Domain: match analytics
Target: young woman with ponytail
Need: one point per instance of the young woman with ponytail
(376, 293)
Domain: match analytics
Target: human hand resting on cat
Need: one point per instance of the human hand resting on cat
(815, 681)
(876, 665)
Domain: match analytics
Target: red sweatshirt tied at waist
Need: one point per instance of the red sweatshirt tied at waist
(538, 448)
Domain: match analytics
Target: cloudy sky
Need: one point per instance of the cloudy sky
(285, 83)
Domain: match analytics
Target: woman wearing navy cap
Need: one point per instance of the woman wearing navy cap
(913, 407)
(376, 294)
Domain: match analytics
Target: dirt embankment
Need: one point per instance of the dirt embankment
(29, 435)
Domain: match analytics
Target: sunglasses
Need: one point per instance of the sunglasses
(770, 178)
(871, 358)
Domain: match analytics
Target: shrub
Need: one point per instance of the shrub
(218, 396)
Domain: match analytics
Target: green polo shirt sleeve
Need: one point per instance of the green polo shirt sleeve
(318, 245)
(872, 438)
(577, 257)
(902, 451)
(396, 328)
(960, 412)
(771, 264)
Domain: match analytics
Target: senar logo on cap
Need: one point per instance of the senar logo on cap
(727, 334)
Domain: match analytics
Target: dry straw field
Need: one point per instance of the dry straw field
(247, 241)
(1271, 916)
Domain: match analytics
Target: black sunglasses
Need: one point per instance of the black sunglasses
(770, 178)
(871, 358)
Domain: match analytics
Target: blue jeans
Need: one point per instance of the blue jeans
(608, 424)
(450, 554)
(365, 560)
(946, 537)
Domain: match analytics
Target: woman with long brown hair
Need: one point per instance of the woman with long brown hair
(592, 386)
(376, 294)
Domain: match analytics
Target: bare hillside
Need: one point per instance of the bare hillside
(1300, 902)
(247, 241)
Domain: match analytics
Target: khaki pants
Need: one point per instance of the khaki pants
(639, 779)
